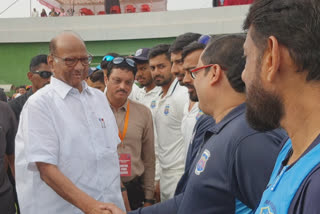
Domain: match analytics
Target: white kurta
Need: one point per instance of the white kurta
(78, 133)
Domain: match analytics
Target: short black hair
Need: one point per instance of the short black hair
(37, 60)
(182, 41)
(159, 50)
(295, 24)
(123, 65)
(227, 51)
(194, 46)
(97, 75)
(104, 64)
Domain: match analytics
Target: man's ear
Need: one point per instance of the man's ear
(30, 75)
(215, 73)
(105, 80)
(50, 60)
(271, 60)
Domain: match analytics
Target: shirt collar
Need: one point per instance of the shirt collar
(63, 88)
(228, 118)
(123, 107)
(172, 88)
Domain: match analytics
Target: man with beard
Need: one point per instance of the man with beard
(194, 123)
(66, 145)
(149, 91)
(191, 113)
(39, 74)
(232, 167)
(176, 53)
(168, 114)
(135, 125)
(282, 80)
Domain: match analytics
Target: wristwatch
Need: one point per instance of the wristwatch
(151, 201)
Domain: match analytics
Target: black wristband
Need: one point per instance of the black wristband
(151, 201)
(123, 189)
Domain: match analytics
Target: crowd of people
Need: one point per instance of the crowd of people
(208, 124)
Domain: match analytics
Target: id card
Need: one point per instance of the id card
(125, 164)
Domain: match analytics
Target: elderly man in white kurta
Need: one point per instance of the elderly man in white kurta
(67, 140)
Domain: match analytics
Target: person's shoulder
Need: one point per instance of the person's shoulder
(43, 95)
(307, 196)
(4, 105)
(139, 107)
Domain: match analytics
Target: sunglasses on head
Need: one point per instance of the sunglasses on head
(108, 58)
(43, 74)
(119, 60)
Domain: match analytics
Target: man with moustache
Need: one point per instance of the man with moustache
(283, 89)
(232, 167)
(134, 120)
(191, 113)
(168, 115)
(176, 53)
(39, 74)
(149, 91)
(67, 140)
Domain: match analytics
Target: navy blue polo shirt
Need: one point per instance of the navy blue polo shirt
(200, 128)
(232, 168)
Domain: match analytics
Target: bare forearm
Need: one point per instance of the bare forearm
(65, 188)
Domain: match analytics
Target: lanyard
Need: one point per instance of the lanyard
(125, 127)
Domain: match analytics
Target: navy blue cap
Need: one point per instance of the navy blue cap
(142, 54)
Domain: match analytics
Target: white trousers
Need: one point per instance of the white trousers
(169, 179)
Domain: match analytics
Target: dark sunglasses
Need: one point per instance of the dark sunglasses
(119, 60)
(43, 74)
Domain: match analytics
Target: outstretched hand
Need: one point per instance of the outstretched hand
(114, 209)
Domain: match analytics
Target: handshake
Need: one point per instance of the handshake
(106, 208)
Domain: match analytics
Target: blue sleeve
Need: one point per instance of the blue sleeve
(253, 164)
(168, 207)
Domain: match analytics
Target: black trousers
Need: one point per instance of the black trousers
(135, 193)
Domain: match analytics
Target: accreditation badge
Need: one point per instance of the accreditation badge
(125, 164)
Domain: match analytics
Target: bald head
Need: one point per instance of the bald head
(69, 59)
(65, 39)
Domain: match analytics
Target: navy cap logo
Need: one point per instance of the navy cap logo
(139, 52)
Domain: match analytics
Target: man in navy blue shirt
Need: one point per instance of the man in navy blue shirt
(190, 57)
(282, 76)
(232, 167)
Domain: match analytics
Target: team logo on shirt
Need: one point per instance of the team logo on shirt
(153, 104)
(166, 109)
(266, 210)
(201, 165)
(200, 113)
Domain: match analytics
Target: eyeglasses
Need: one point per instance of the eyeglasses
(72, 61)
(43, 74)
(195, 71)
(119, 60)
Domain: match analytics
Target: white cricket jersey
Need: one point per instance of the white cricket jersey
(168, 116)
(188, 121)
